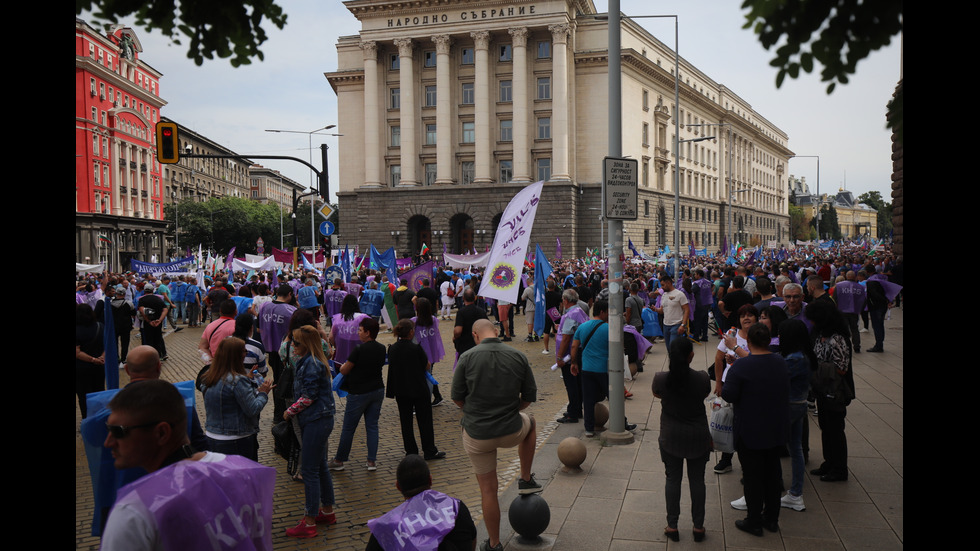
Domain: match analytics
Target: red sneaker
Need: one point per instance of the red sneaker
(302, 530)
(329, 518)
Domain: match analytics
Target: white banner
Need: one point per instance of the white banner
(503, 275)
(93, 268)
(269, 264)
(467, 260)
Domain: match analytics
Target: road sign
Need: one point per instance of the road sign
(326, 228)
(325, 211)
(332, 273)
(619, 186)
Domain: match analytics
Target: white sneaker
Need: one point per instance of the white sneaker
(792, 502)
(862, 330)
(740, 504)
(546, 352)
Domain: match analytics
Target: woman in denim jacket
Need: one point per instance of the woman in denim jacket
(233, 402)
(314, 409)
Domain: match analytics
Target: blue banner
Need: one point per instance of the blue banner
(385, 261)
(147, 267)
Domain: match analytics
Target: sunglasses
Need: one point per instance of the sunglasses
(119, 431)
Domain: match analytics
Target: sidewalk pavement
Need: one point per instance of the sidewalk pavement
(616, 501)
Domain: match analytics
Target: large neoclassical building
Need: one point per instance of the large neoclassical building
(449, 107)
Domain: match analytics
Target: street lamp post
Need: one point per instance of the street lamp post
(309, 136)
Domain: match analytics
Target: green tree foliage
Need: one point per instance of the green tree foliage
(799, 228)
(884, 217)
(220, 224)
(229, 29)
(829, 225)
(835, 33)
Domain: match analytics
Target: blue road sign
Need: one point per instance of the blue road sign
(327, 228)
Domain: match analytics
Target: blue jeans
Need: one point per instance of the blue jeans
(797, 417)
(670, 333)
(316, 476)
(367, 405)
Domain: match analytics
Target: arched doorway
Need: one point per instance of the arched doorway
(461, 233)
(494, 223)
(419, 232)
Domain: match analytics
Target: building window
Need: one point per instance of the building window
(507, 131)
(91, 82)
(544, 169)
(646, 237)
(646, 134)
(95, 114)
(506, 53)
(467, 172)
(646, 207)
(467, 56)
(394, 62)
(95, 145)
(646, 100)
(468, 97)
(469, 132)
(430, 174)
(396, 101)
(506, 91)
(429, 58)
(544, 88)
(506, 171)
(396, 136)
(430, 134)
(544, 49)
(430, 96)
(544, 128)
(395, 173)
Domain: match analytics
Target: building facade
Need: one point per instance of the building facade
(450, 107)
(270, 186)
(854, 219)
(201, 179)
(118, 189)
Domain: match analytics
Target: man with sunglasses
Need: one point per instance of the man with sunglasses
(147, 429)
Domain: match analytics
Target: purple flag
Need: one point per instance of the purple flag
(415, 276)
(558, 248)
(231, 256)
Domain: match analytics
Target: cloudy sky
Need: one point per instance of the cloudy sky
(288, 90)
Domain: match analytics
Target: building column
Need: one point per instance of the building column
(372, 111)
(559, 103)
(406, 77)
(444, 119)
(522, 170)
(146, 182)
(128, 177)
(482, 108)
(115, 182)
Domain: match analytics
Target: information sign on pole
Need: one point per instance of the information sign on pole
(326, 210)
(619, 188)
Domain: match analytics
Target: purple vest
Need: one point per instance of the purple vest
(430, 340)
(850, 297)
(345, 336)
(574, 313)
(222, 505)
(420, 523)
(333, 300)
(274, 323)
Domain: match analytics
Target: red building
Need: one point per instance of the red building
(118, 192)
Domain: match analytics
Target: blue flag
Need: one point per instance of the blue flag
(542, 269)
(345, 264)
(632, 248)
(111, 346)
(385, 261)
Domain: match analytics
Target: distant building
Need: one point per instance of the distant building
(270, 186)
(855, 219)
(449, 108)
(118, 191)
(201, 179)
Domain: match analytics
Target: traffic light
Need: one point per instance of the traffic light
(168, 148)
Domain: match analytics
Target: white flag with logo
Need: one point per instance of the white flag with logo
(503, 276)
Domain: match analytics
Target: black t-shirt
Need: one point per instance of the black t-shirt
(153, 306)
(403, 303)
(461, 537)
(465, 318)
(431, 295)
(368, 359)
